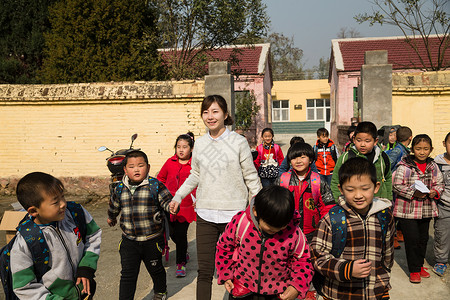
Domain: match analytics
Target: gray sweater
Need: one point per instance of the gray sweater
(224, 172)
(444, 203)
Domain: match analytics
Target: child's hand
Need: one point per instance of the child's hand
(111, 222)
(289, 294)
(361, 268)
(174, 207)
(86, 284)
(432, 194)
(229, 286)
(420, 195)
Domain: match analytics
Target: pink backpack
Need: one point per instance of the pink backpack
(315, 183)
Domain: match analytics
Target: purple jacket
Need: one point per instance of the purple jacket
(269, 270)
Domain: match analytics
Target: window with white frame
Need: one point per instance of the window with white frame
(280, 110)
(318, 110)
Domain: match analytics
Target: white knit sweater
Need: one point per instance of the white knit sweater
(224, 172)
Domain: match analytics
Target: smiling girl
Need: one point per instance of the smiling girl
(224, 174)
(173, 174)
(313, 197)
(413, 208)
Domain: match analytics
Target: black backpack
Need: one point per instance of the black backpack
(338, 221)
(35, 240)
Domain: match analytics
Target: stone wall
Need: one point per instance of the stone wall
(58, 128)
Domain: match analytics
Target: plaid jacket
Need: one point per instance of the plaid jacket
(406, 205)
(364, 241)
(139, 220)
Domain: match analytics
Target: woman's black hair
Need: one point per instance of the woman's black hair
(267, 129)
(275, 205)
(421, 138)
(208, 100)
(357, 166)
(188, 137)
(300, 149)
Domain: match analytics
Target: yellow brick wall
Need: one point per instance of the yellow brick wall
(61, 136)
(424, 106)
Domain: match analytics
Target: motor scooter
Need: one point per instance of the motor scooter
(115, 162)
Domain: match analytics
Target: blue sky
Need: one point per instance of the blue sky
(314, 23)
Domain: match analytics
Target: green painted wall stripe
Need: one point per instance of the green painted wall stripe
(297, 127)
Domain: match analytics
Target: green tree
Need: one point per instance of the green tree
(322, 69)
(246, 109)
(286, 59)
(22, 24)
(416, 19)
(188, 29)
(101, 40)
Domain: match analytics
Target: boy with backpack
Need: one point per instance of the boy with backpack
(56, 236)
(326, 155)
(365, 145)
(404, 138)
(142, 201)
(353, 247)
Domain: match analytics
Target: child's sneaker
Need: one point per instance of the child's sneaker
(415, 277)
(396, 244)
(424, 273)
(311, 295)
(160, 296)
(181, 270)
(400, 237)
(440, 269)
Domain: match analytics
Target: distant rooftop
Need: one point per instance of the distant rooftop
(252, 59)
(349, 53)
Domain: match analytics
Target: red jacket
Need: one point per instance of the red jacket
(264, 154)
(311, 210)
(326, 157)
(173, 174)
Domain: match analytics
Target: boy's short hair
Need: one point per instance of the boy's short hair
(357, 166)
(367, 127)
(404, 133)
(135, 153)
(300, 149)
(275, 205)
(322, 131)
(30, 188)
(295, 140)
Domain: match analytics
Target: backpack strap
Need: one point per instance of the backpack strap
(34, 238)
(260, 151)
(315, 186)
(241, 229)
(386, 163)
(384, 218)
(285, 179)
(338, 221)
(276, 148)
(77, 212)
(298, 251)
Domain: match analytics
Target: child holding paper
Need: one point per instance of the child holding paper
(413, 208)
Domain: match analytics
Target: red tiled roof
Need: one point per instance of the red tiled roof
(243, 60)
(400, 54)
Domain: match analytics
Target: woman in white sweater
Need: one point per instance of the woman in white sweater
(223, 170)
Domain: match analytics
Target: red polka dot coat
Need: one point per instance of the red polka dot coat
(265, 265)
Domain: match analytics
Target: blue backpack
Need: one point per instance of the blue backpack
(33, 236)
(338, 221)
